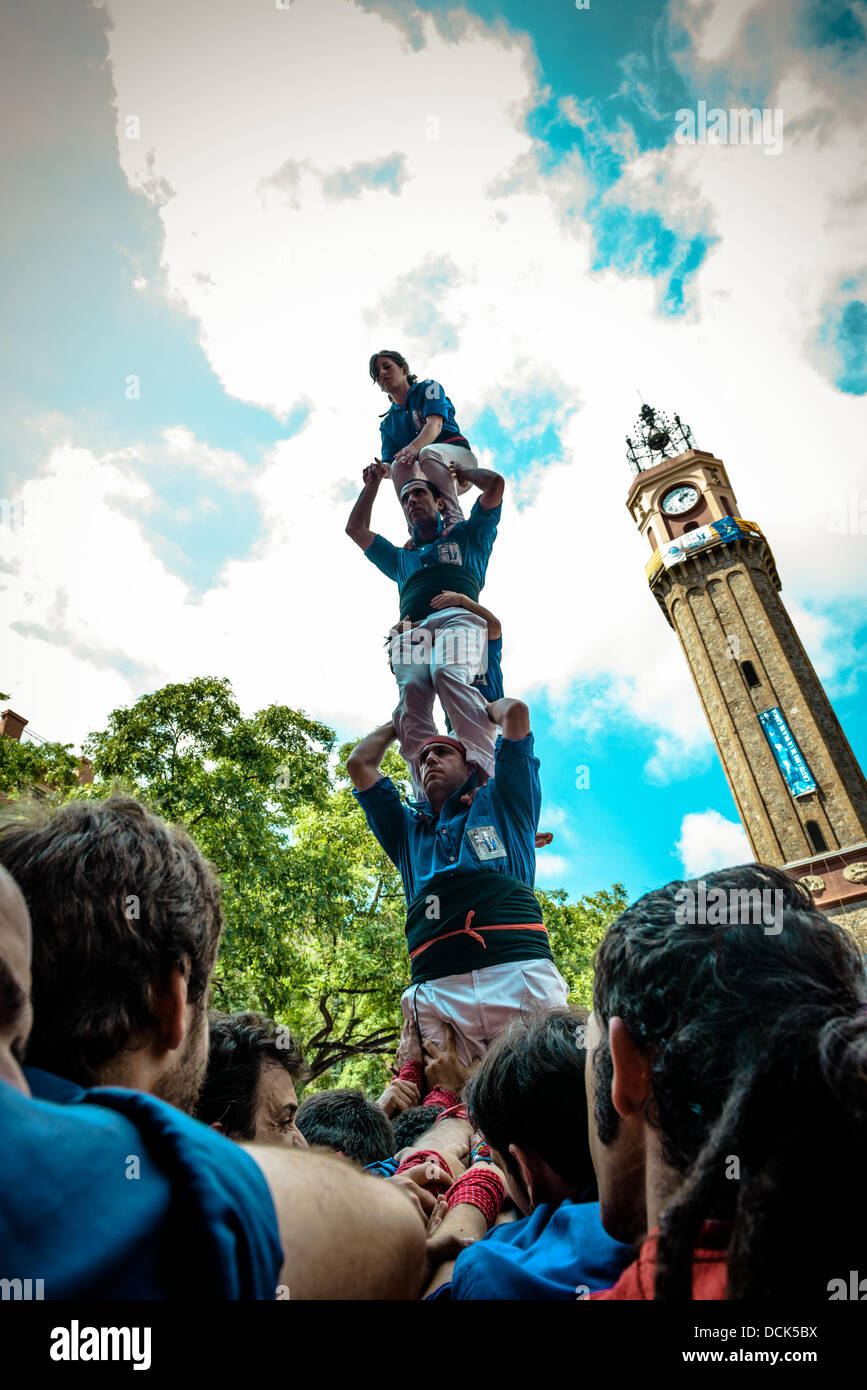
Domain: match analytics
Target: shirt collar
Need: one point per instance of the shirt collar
(436, 535)
(452, 804)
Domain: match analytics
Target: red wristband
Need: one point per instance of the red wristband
(423, 1156)
(479, 1188)
(440, 1096)
(455, 1112)
(412, 1071)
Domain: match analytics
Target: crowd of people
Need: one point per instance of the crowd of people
(700, 1134)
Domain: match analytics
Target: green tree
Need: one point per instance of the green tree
(309, 897)
(314, 909)
(42, 770)
(575, 930)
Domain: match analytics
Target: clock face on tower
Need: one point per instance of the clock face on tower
(680, 499)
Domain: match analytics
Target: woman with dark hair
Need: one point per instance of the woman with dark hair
(727, 1088)
(420, 435)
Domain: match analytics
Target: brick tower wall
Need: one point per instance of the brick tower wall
(724, 606)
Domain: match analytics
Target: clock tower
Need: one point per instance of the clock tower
(797, 787)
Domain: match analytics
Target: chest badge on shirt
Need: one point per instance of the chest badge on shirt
(449, 553)
(486, 842)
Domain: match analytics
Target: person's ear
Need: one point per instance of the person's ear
(526, 1169)
(630, 1085)
(169, 1008)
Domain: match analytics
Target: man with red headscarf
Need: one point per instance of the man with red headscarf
(478, 947)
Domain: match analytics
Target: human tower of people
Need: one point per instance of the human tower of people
(701, 1134)
(466, 847)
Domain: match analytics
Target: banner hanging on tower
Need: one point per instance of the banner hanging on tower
(790, 760)
(676, 550)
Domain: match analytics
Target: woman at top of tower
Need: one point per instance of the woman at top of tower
(420, 435)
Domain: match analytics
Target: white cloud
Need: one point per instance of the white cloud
(292, 299)
(87, 602)
(716, 24)
(552, 868)
(708, 841)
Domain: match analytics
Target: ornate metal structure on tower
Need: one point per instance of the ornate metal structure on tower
(656, 439)
(798, 789)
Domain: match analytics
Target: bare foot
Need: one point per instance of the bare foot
(543, 838)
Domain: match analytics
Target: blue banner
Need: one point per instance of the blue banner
(790, 760)
(727, 528)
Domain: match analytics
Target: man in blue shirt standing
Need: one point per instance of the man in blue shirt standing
(445, 651)
(466, 854)
(420, 436)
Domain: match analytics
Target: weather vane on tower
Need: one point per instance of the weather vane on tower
(658, 438)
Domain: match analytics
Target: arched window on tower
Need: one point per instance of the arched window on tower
(728, 509)
(652, 537)
(690, 526)
(751, 675)
(815, 836)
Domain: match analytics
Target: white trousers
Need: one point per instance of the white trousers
(481, 1004)
(433, 464)
(442, 655)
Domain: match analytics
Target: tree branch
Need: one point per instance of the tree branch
(383, 1040)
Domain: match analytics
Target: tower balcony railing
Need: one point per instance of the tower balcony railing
(725, 535)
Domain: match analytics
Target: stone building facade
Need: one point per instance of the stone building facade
(798, 789)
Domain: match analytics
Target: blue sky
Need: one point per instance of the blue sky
(548, 253)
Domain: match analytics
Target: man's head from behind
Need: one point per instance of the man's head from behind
(126, 923)
(249, 1091)
(345, 1121)
(409, 1125)
(724, 1057)
(16, 1015)
(527, 1097)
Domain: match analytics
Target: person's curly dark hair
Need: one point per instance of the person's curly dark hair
(239, 1046)
(409, 1124)
(757, 1042)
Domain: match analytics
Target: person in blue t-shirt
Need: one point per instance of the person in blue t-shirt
(108, 1192)
(466, 853)
(528, 1098)
(420, 436)
(444, 652)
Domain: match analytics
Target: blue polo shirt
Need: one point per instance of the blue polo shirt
(404, 422)
(118, 1195)
(495, 834)
(469, 544)
(44, 1085)
(490, 682)
(557, 1252)
(385, 1168)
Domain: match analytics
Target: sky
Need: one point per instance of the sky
(216, 212)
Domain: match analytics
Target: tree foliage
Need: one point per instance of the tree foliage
(314, 909)
(39, 769)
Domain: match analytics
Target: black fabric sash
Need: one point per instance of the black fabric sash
(456, 941)
(417, 591)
